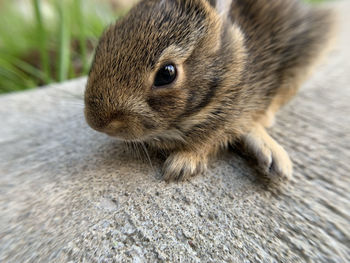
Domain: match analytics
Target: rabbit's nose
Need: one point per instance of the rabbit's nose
(114, 126)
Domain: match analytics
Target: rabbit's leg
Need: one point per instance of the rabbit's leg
(285, 93)
(267, 120)
(271, 157)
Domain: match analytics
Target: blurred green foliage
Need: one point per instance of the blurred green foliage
(44, 41)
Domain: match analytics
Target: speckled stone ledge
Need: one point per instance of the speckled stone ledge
(70, 194)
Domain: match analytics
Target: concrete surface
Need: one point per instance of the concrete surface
(70, 194)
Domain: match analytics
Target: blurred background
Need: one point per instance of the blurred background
(46, 41)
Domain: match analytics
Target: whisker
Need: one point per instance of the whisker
(147, 155)
(72, 103)
(137, 151)
(72, 95)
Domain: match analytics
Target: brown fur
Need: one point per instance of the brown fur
(234, 73)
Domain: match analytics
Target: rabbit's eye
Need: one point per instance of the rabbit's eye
(165, 75)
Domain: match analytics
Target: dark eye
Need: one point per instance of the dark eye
(165, 75)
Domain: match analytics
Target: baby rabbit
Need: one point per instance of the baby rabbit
(190, 77)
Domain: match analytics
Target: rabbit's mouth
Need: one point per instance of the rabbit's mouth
(130, 132)
(128, 135)
(123, 135)
(171, 135)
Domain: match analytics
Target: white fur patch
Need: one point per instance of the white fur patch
(223, 6)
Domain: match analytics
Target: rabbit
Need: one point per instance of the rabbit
(192, 77)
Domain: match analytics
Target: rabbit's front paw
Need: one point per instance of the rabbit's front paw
(270, 156)
(180, 166)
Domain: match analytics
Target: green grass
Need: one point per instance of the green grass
(45, 41)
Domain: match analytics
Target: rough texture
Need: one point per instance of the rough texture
(70, 194)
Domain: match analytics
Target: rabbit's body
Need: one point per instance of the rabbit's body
(234, 68)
